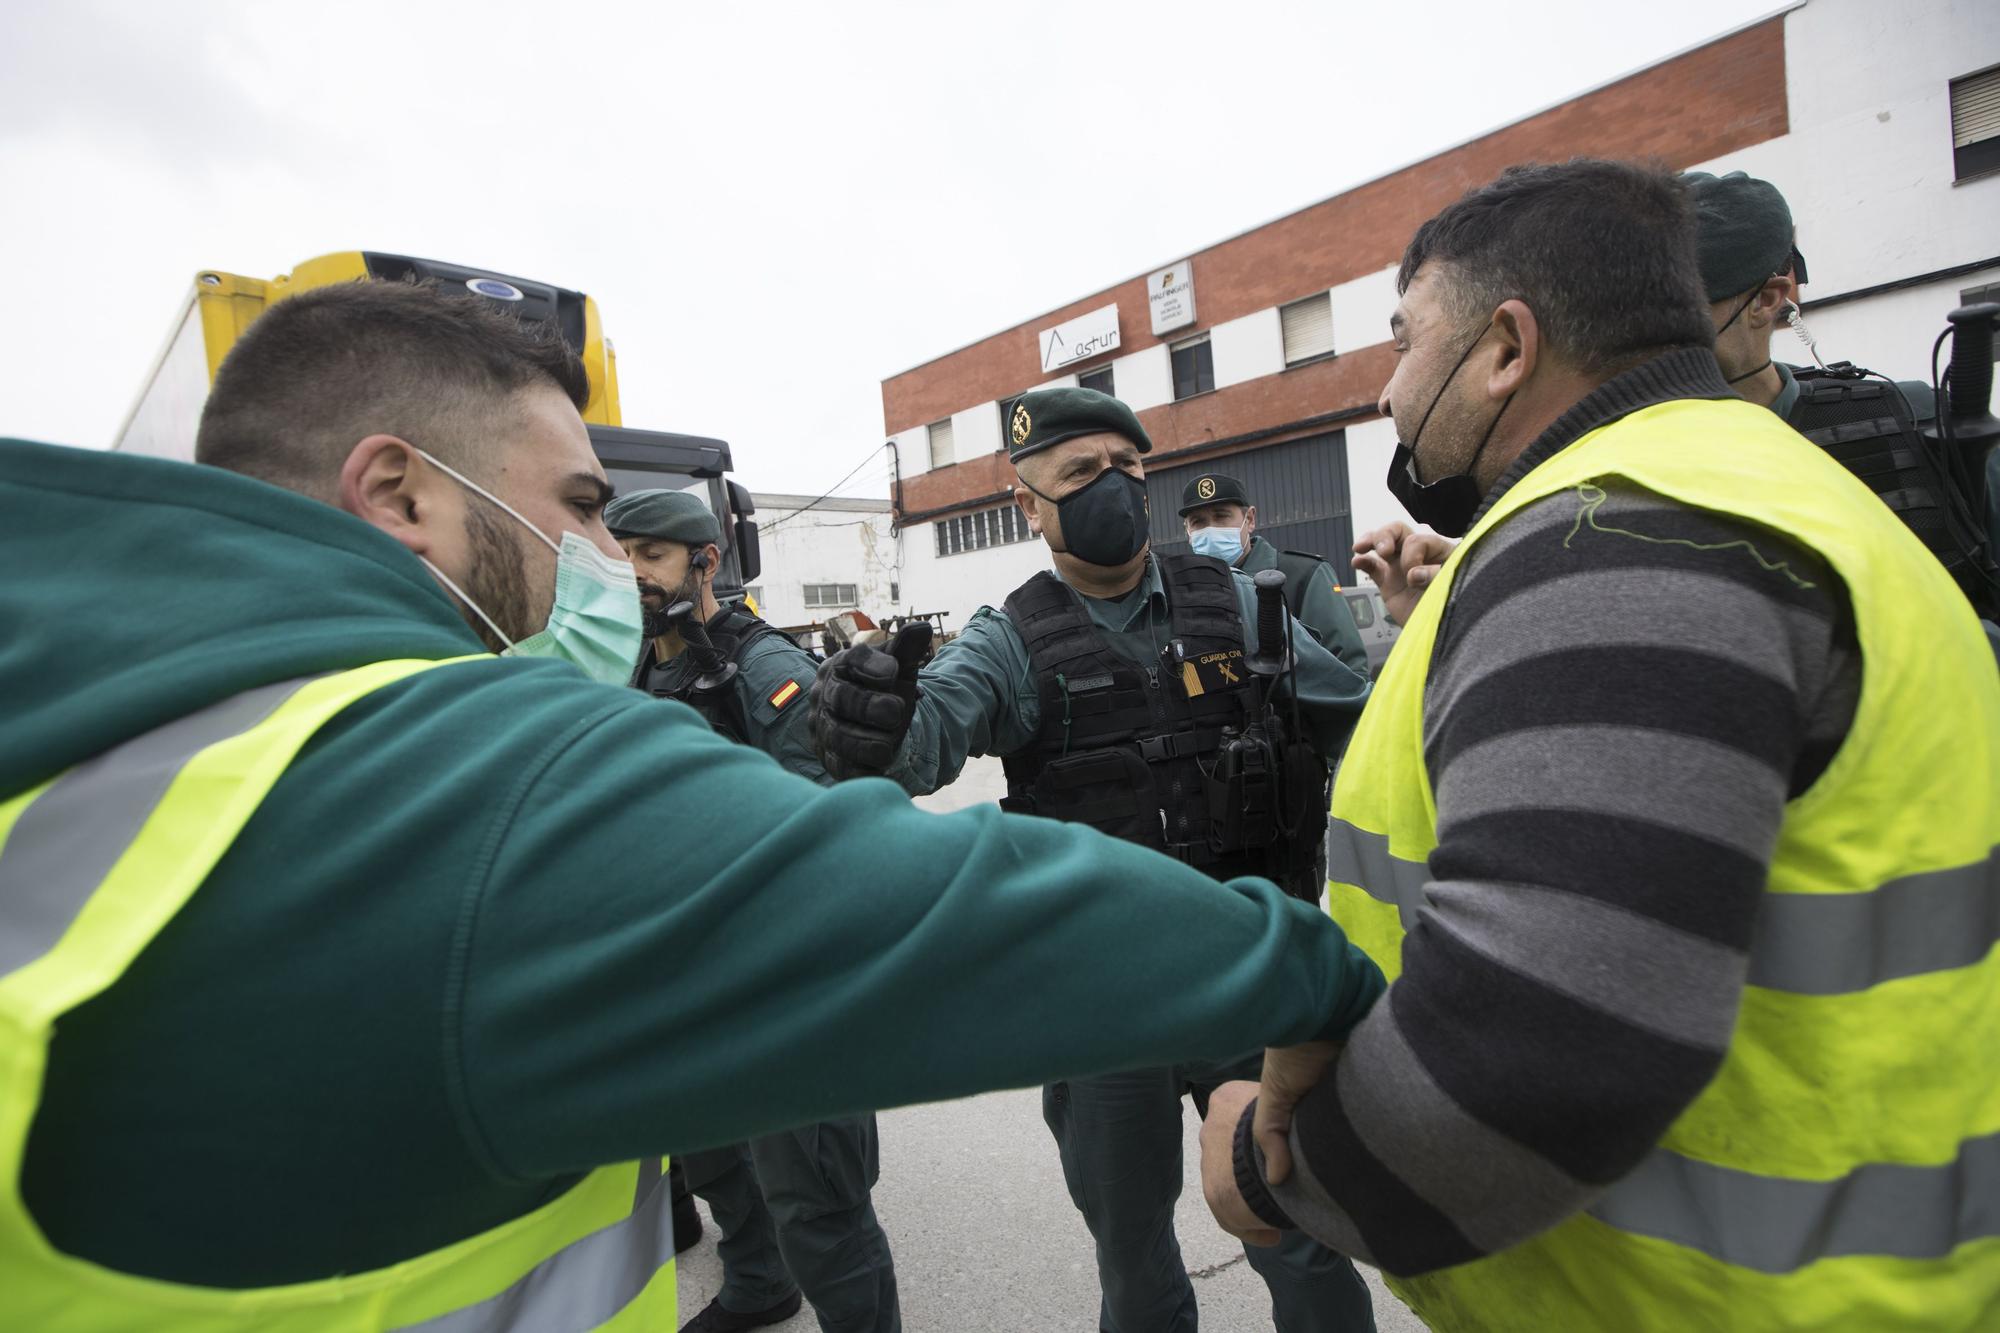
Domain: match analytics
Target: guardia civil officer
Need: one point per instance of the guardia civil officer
(1752, 271)
(793, 1207)
(1112, 689)
(1222, 522)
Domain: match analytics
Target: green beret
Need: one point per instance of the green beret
(1044, 418)
(1743, 232)
(668, 516)
(1212, 488)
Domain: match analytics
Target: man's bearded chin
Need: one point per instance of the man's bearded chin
(655, 616)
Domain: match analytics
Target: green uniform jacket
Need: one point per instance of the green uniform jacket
(978, 696)
(498, 924)
(1324, 611)
(774, 679)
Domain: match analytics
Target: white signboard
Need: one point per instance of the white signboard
(1085, 336)
(1170, 293)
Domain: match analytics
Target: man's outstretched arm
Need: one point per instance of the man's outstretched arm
(677, 944)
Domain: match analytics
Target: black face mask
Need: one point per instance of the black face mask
(1447, 504)
(1104, 522)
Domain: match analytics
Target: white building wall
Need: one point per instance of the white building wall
(839, 541)
(913, 450)
(1247, 348)
(960, 584)
(1361, 310)
(1370, 446)
(975, 432)
(1145, 378)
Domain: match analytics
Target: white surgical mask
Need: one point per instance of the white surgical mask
(596, 620)
(1225, 544)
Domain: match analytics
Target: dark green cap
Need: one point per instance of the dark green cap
(1043, 418)
(668, 516)
(1743, 233)
(1212, 488)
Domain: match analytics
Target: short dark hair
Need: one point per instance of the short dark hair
(322, 370)
(1603, 252)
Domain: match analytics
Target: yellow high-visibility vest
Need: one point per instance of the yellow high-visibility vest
(1843, 1169)
(93, 864)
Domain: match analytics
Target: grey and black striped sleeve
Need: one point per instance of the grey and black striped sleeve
(1624, 694)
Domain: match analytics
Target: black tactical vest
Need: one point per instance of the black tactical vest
(1127, 749)
(1866, 425)
(732, 632)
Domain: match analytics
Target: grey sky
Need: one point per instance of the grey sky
(776, 206)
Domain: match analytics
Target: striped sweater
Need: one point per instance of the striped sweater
(1624, 694)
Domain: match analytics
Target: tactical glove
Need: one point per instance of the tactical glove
(862, 702)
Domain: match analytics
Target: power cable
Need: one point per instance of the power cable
(830, 491)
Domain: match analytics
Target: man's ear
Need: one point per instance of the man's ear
(1030, 505)
(383, 484)
(1249, 521)
(1767, 308)
(708, 560)
(1517, 340)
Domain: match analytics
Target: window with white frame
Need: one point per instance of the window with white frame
(1308, 327)
(981, 529)
(940, 433)
(824, 596)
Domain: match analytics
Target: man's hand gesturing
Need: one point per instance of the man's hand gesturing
(1401, 561)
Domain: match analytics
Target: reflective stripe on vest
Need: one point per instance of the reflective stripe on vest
(584, 1284)
(1807, 943)
(92, 865)
(1842, 1170)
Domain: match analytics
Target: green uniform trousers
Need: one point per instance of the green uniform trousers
(794, 1211)
(1120, 1138)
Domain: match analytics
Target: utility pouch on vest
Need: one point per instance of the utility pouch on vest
(1243, 792)
(1096, 787)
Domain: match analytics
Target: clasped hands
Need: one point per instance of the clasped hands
(1289, 1073)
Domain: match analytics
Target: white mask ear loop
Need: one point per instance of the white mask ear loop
(498, 633)
(477, 489)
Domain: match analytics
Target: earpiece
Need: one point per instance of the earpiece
(1798, 323)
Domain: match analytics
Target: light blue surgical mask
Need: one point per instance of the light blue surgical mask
(1225, 544)
(596, 620)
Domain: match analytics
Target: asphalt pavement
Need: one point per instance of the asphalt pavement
(985, 1237)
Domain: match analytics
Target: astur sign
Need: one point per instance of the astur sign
(1170, 293)
(1085, 336)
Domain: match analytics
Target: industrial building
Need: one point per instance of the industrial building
(1264, 354)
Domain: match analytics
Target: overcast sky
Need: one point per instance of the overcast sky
(776, 206)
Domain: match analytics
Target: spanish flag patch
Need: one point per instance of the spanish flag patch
(784, 694)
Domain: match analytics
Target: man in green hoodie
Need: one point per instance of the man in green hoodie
(346, 982)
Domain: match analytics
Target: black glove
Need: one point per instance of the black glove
(862, 703)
